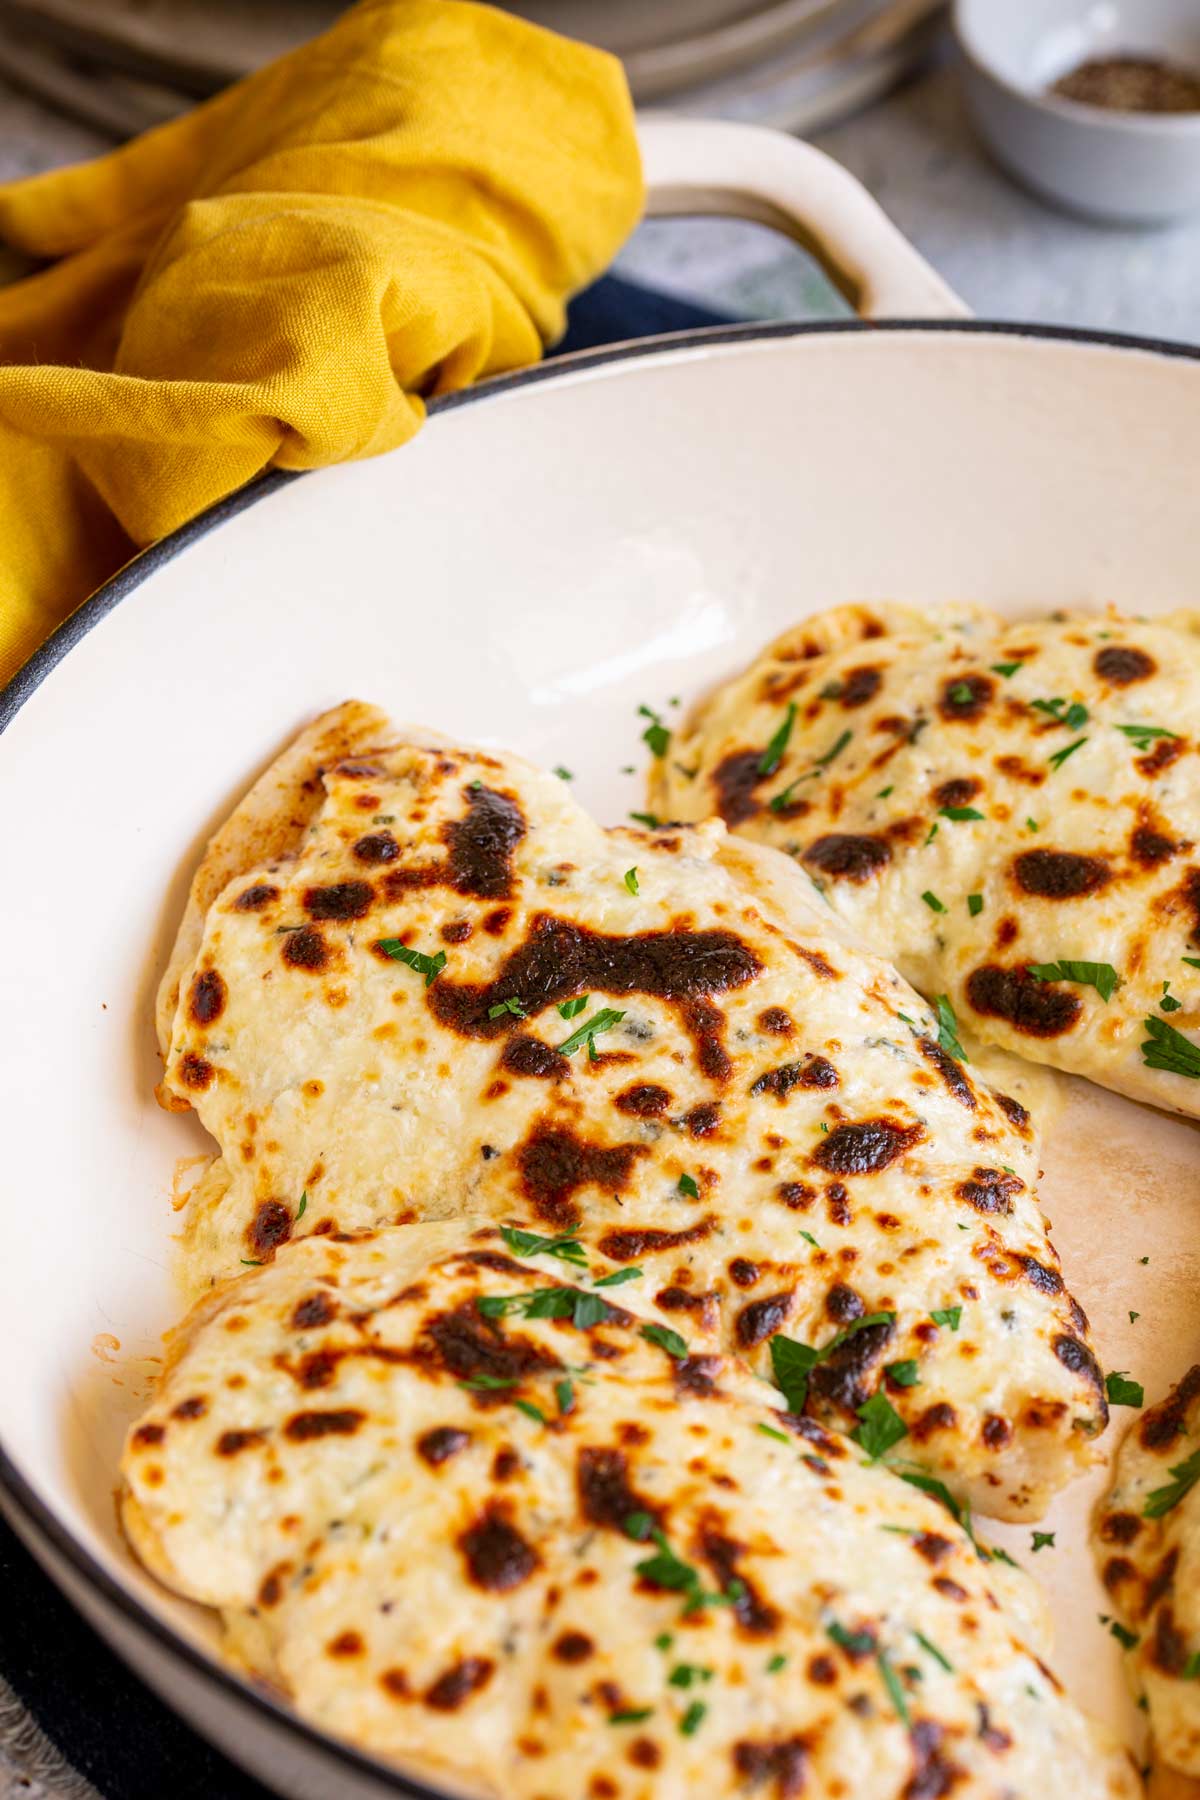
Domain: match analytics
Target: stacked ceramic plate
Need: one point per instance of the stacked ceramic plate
(125, 64)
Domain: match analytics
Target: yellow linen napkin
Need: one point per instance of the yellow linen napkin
(394, 210)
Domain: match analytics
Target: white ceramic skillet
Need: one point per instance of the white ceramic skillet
(553, 549)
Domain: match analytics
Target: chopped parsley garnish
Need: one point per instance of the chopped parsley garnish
(631, 1715)
(485, 1384)
(937, 1490)
(948, 1029)
(932, 833)
(1161, 1500)
(1143, 1259)
(1043, 1540)
(810, 1239)
(1191, 1668)
(884, 792)
(1168, 1003)
(904, 1374)
(532, 1243)
(638, 1526)
(854, 1643)
(891, 1682)
(1060, 756)
(564, 774)
(1134, 1317)
(604, 1020)
(512, 1006)
(960, 814)
(1073, 717)
(1099, 975)
(665, 1639)
(1193, 962)
(631, 880)
(666, 1570)
(1006, 669)
(666, 1339)
(793, 1362)
(974, 905)
(688, 1186)
(1031, 825)
(303, 1206)
(1142, 736)
(649, 820)
(961, 694)
(880, 1426)
(618, 1278)
(564, 1393)
(1166, 1048)
(571, 1009)
(938, 1656)
(428, 966)
(777, 1662)
(770, 1431)
(932, 902)
(693, 1718)
(948, 1315)
(531, 1411)
(584, 1310)
(772, 756)
(783, 799)
(1121, 1391)
(250, 1262)
(1127, 1639)
(656, 735)
(683, 1675)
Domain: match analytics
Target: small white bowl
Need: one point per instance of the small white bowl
(1120, 167)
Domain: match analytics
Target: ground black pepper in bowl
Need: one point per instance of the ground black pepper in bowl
(1131, 84)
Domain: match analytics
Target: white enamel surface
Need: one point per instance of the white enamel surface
(1134, 168)
(526, 572)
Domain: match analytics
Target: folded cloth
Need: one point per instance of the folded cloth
(282, 276)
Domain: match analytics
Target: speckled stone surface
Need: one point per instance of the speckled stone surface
(1007, 254)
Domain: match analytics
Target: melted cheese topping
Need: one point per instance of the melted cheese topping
(443, 1554)
(1150, 1565)
(769, 1129)
(974, 797)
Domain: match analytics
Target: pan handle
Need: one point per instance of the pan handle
(750, 172)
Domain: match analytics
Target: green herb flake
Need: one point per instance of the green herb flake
(891, 1682)
(648, 819)
(666, 1339)
(1008, 670)
(960, 814)
(486, 1384)
(638, 1526)
(779, 802)
(618, 1278)
(303, 1206)
(1060, 756)
(512, 1006)
(773, 755)
(1168, 1003)
(854, 1643)
(1166, 1048)
(1142, 736)
(948, 1029)
(571, 1009)
(631, 880)
(428, 966)
(656, 736)
(531, 1411)
(685, 1675)
(604, 1020)
(884, 792)
(1043, 1540)
(1162, 1500)
(939, 1656)
(974, 905)
(564, 774)
(777, 1662)
(1031, 825)
(880, 1427)
(793, 1362)
(664, 1640)
(631, 1715)
(810, 1239)
(531, 1243)
(1193, 962)
(933, 831)
(693, 1718)
(1121, 1391)
(250, 1262)
(1134, 1317)
(770, 1431)
(564, 1393)
(687, 1185)
(1127, 1639)
(948, 1315)
(904, 1374)
(961, 694)
(1099, 975)
(932, 902)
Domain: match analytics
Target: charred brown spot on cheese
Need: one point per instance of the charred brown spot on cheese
(341, 900)
(572, 1647)
(1075, 1356)
(743, 1273)
(1168, 1645)
(314, 1310)
(781, 1762)
(1120, 1528)
(1060, 874)
(849, 856)
(147, 1435)
(455, 1686)
(841, 1379)
(395, 1684)
(644, 1753)
(253, 899)
(1160, 757)
(398, 883)
(1017, 770)
(734, 781)
(842, 1304)
(933, 1773)
(482, 843)
(860, 685)
(306, 949)
(194, 1407)
(440, 1443)
(206, 1000)
(1162, 1581)
(821, 1670)
(960, 791)
(1149, 844)
(776, 1021)
(1045, 1280)
(865, 1146)
(498, 1558)
(606, 1495)
(762, 1318)
(939, 1417)
(1034, 1008)
(529, 1056)
(306, 1427)
(195, 1072)
(505, 1464)
(643, 1101)
(467, 1347)
(554, 1163)
(456, 932)
(703, 1120)
(966, 697)
(697, 1375)
(990, 1190)
(796, 1195)
(232, 1443)
(377, 847)
(951, 1071)
(1161, 1425)
(723, 1555)
(706, 1023)
(704, 1308)
(1017, 1114)
(1007, 932)
(932, 1547)
(632, 1243)
(270, 1227)
(560, 960)
(270, 1591)
(1123, 664)
(346, 1644)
